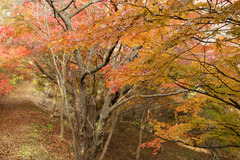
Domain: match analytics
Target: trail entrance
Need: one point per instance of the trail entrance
(27, 132)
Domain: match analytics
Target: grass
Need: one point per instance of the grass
(30, 151)
(190, 156)
(34, 147)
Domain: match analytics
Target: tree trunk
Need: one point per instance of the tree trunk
(114, 121)
(54, 101)
(61, 115)
(140, 136)
(80, 105)
(90, 133)
(75, 104)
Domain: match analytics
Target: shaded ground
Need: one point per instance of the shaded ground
(28, 132)
(125, 140)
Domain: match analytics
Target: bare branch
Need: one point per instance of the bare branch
(121, 103)
(69, 4)
(90, 56)
(83, 7)
(100, 66)
(165, 95)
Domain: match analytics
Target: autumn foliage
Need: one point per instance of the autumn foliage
(168, 47)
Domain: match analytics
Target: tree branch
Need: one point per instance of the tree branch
(233, 130)
(121, 103)
(165, 95)
(44, 72)
(83, 7)
(69, 4)
(208, 94)
(99, 66)
(179, 141)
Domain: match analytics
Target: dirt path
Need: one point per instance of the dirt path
(27, 132)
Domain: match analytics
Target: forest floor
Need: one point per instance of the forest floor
(28, 132)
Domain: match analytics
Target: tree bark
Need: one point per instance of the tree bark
(140, 136)
(54, 100)
(61, 115)
(114, 121)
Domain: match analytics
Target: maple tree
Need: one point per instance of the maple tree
(5, 85)
(99, 51)
(70, 55)
(194, 46)
(6, 66)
